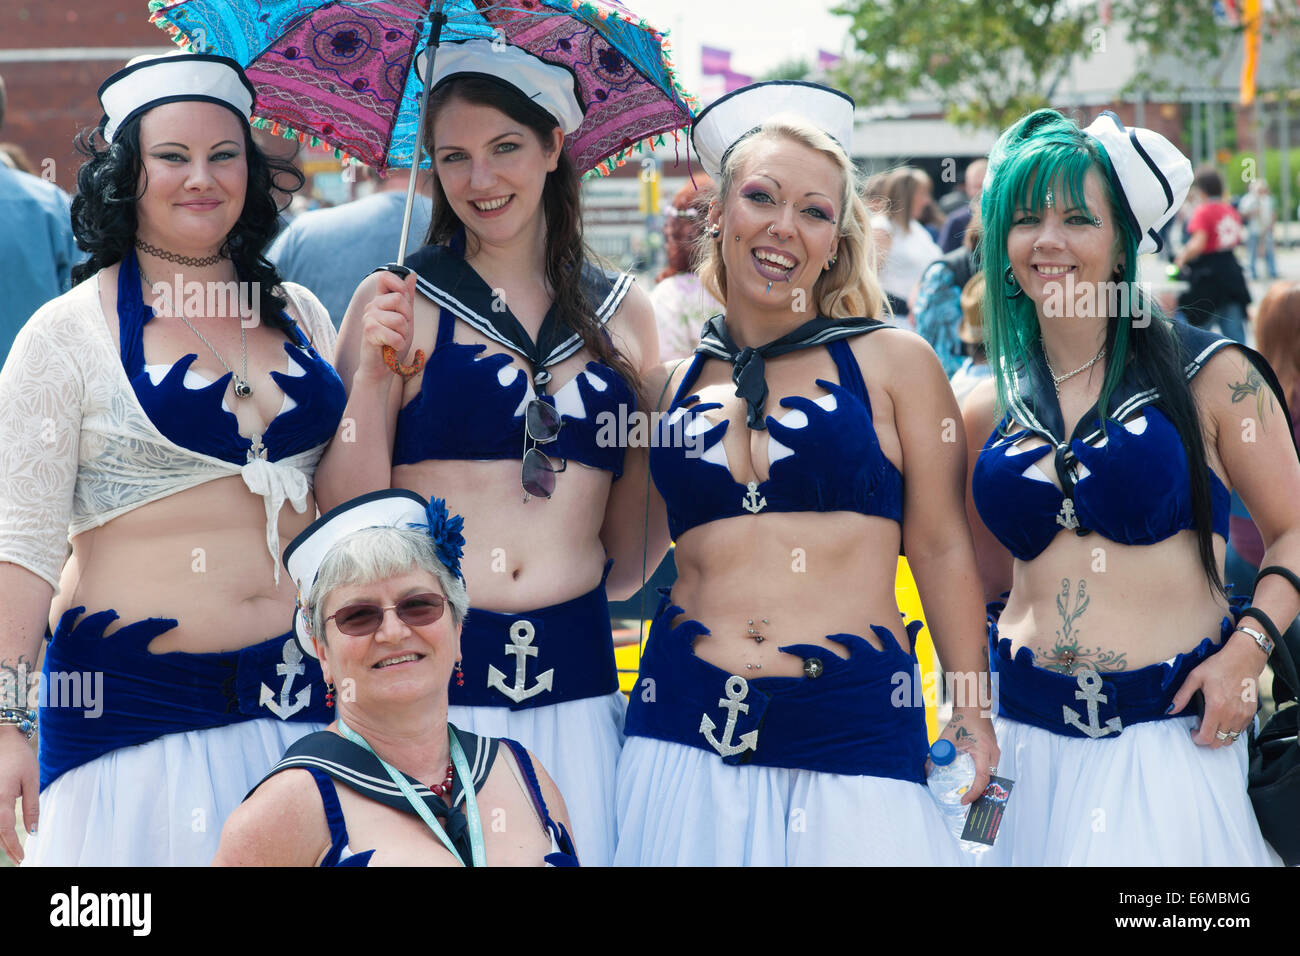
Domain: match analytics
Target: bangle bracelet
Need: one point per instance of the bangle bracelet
(24, 720)
(1263, 640)
(1265, 621)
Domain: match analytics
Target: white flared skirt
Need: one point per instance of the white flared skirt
(160, 803)
(1149, 797)
(578, 742)
(681, 806)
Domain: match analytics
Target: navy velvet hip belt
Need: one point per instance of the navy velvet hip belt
(99, 694)
(1088, 703)
(847, 716)
(535, 658)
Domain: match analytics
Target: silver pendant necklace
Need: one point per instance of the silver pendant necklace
(242, 388)
(1058, 380)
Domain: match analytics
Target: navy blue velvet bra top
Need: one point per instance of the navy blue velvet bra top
(823, 456)
(191, 412)
(1130, 484)
(470, 407)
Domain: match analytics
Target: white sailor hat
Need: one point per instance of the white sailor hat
(389, 508)
(1150, 176)
(730, 118)
(551, 87)
(149, 81)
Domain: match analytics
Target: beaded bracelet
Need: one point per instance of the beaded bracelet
(24, 720)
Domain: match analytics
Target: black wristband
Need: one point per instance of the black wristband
(1265, 620)
(1280, 572)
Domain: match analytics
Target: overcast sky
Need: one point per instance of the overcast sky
(760, 33)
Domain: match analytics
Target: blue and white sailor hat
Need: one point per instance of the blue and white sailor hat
(388, 508)
(1151, 176)
(730, 118)
(149, 81)
(550, 86)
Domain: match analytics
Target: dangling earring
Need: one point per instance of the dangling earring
(460, 675)
(714, 231)
(329, 695)
(831, 262)
(1012, 286)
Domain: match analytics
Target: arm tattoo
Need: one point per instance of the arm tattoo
(1252, 388)
(1067, 653)
(15, 679)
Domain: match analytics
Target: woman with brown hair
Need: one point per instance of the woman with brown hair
(681, 302)
(911, 248)
(533, 353)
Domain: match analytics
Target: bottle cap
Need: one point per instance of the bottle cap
(943, 752)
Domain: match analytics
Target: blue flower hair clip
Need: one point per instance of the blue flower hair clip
(445, 530)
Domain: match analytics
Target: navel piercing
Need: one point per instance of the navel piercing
(758, 638)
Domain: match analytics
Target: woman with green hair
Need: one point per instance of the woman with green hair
(1101, 454)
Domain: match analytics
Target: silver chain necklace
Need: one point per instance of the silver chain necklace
(1058, 380)
(242, 388)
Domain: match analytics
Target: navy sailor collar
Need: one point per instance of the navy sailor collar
(359, 769)
(447, 280)
(1034, 405)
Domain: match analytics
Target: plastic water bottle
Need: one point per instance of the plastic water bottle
(951, 777)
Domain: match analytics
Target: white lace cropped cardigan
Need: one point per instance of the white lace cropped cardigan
(77, 449)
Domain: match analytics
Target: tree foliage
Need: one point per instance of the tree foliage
(988, 62)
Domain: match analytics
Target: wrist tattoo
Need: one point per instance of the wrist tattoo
(15, 680)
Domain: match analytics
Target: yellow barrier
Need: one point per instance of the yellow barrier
(628, 656)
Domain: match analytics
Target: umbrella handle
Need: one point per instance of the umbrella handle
(436, 18)
(390, 353)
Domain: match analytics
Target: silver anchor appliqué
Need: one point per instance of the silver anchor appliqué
(753, 502)
(1090, 692)
(292, 667)
(737, 688)
(1066, 518)
(521, 645)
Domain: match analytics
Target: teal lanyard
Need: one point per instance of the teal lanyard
(467, 788)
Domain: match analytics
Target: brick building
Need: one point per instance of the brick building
(53, 56)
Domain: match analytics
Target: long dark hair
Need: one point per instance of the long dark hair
(108, 186)
(1045, 151)
(561, 204)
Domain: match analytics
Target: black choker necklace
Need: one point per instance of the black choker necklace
(211, 260)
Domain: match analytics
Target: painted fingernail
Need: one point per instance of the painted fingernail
(1170, 710)
(32, 829)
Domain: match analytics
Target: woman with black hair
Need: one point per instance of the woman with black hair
(534, 353)
(1102, 453)
(158, 417)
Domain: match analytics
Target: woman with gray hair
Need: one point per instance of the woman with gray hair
(416, 788)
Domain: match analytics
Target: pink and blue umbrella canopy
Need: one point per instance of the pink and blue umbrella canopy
(345, 73)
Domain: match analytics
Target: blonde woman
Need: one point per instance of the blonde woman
(766, 727)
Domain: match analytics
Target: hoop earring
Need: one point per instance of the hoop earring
(1012, 287)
